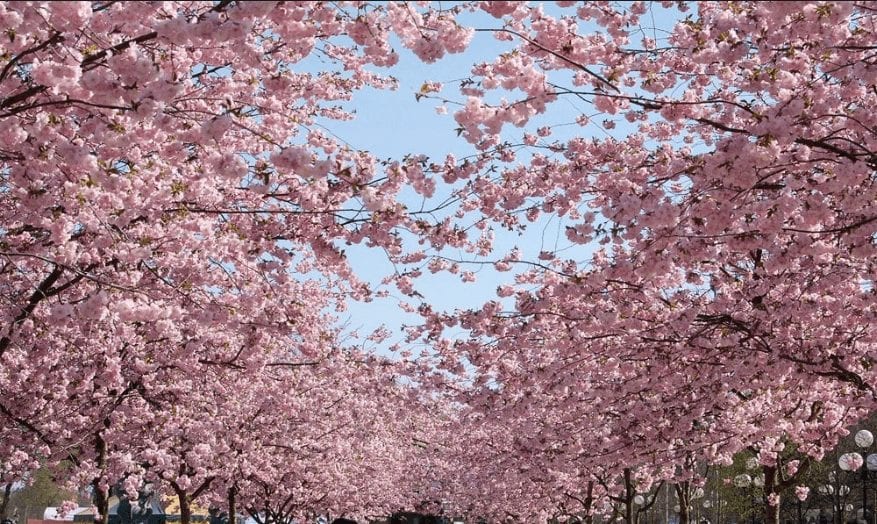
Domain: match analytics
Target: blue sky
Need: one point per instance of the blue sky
(394, 123)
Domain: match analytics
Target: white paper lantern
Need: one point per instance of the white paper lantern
(871, 462)
(846, 461)
(864, 438)
(639, 500)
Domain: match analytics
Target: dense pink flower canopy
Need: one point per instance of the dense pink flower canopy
(175, 212)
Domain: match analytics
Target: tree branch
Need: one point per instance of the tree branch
(43, 291)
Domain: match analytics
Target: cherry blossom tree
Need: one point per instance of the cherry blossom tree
(175, 211)
(730, 301)
(170, 207)
(347, 446)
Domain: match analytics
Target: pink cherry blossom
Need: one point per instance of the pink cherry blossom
(178, 218)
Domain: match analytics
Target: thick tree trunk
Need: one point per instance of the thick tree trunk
(4, 502)
(771, 486)
(628, 498)
(100, 485)
(101, 503)
(772, 514)
(185, 510)
(185, 504)
(683, 495)
(186, 498)
(232, 506)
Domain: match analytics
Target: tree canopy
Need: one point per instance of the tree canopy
(176, 215)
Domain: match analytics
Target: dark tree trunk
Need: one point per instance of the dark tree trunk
(628, 497)
(232, 506)
(683, 494)
(185, 504)
(4, 502)
(186, 498)
(101, 496)
(771, 486)
(772, 514)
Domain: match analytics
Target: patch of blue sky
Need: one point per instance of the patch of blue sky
(395, 123)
